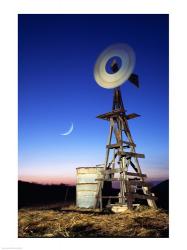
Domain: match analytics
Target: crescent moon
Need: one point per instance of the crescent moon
(69, 131)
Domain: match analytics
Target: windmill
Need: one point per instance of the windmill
(113, 68)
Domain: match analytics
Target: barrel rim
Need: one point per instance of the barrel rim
(89, 167)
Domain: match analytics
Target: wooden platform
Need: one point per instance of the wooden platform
(115, 113)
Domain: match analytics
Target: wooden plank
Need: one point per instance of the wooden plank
(131, 154)
(118, 135)
(143, 196)
(128, 182)
(112, 171)
(131, 196)
(131, 116)
(129, 143)
(120, 170)
(116, 145)
(135, 174)
(108, 115)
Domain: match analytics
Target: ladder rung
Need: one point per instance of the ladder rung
(130, 143)
(135, 174)
(120, 170)
(128, 182)
(131, 196)
(117, 145)
(144, 196)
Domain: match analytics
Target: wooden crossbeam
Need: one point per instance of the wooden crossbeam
(131, 116)
(135, 174)
(121, 170)
(132, 196)
(129, 182)
(131, 154)
(116, 145)
(108, 115)
(144, 196)
(120, 143)
(129, 143)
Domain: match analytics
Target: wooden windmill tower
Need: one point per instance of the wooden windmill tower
(121, 162)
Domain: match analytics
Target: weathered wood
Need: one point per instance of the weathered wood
(121, 170)
(143, 196)
(129, 182)
(131, 154)
(118, 135)
(120, 143)
(131, 196)
(117, 99)
(109, 141)
(136, 174)
(131, 116)
(108, 115)
(116, 145)
(112, 171)
(129, 143)
(119, 127)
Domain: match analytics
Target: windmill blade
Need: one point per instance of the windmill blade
(120, 72)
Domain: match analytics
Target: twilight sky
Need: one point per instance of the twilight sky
(56, 87)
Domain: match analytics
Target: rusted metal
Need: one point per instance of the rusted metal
(134, 79)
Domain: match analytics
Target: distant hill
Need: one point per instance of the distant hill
(36, 194)
(30, 194)
(161, 191)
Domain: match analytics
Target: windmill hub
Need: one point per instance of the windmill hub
(113, 65)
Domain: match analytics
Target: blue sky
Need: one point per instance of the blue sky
(56, 87)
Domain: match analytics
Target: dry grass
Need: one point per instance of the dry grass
(68, 223)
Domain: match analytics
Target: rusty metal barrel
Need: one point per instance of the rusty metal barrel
(87, 186)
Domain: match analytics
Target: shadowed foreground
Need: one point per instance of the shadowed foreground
(72, 223)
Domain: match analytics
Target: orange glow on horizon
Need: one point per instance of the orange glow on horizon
(153, 175)
(48, 179)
